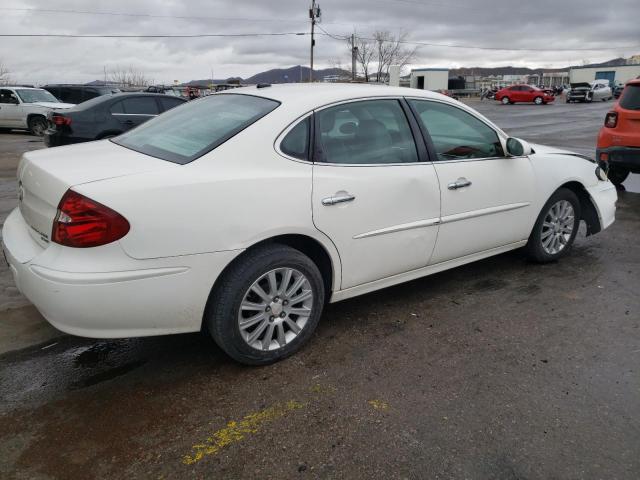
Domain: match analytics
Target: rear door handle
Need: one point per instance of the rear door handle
(343, 198)
(460, 183)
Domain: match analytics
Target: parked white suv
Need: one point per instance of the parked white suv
(24, 107)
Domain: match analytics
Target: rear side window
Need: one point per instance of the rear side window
(296, 142)
(366, 132)
(116, 108)
(168, 103)
(630, 99)
(183, 134)
(140, 106)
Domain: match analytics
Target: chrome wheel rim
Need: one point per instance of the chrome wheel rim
(275, 309)
(39, 128)
(505, 100)
(557, 227)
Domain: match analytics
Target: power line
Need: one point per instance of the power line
(476, 47)
(198, 35)
(150, 15)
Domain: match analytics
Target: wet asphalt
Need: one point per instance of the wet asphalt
(501, 369)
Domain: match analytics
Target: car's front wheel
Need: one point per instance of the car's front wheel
(538, 100)
(267, 305)
(37, 125)
(506, 101)
(556, 227)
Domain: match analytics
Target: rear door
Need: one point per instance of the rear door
(486, 196)
(374, 192)
(134, 111)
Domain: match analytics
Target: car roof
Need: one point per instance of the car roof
(312, 95)
(16, 87)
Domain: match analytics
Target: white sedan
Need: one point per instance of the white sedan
(246, 211)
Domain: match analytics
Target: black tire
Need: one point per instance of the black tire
(534, 247)
(618, 175)
(37, 125)
(221, 315)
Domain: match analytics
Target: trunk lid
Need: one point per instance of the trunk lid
(45, 175)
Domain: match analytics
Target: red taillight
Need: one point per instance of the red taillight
(82, 222)
(60, 120)
(611, 120)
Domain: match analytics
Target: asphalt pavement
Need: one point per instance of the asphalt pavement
(501, 369)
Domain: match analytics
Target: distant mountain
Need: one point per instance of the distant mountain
(294, 74)
(278, 75)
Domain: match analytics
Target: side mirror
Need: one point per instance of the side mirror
(518, 148)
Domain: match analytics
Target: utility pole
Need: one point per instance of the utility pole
(314, 15)
(354, 55)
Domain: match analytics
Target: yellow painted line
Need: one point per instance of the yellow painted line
(378, 404)
(236, 431)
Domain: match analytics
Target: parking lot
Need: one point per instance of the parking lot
(500, 369)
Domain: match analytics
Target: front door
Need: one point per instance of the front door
(10, 110)
(486, 196)
(373, 193)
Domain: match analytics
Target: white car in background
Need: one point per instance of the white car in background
(590, 92)
(246, 211)
(27, 108)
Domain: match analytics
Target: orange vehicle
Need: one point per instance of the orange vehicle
(619, 138)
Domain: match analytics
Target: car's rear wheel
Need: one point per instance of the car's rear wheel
(506, 101)
(37, 125)
(267, 305)
(556, 227)
(538, 100)
(617, 175)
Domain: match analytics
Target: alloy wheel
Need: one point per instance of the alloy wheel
(275, 309)
(557, 227)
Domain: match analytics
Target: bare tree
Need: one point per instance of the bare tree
(128, 76)
(390, 50)
(365, 51)
(5, 79)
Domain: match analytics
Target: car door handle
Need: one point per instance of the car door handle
(338, 199)
(460, 183)
(128, 122)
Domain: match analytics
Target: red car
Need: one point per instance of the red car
(619, 138)
(523, 93)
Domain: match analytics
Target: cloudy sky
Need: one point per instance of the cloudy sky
(560, 31)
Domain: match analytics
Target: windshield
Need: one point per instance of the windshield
(631, 97)
(33, 96)
(189, 131)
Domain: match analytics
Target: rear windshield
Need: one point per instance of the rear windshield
(631, 97)
(189, 131)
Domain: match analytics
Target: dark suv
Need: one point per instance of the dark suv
(106, 116)
(78, 93)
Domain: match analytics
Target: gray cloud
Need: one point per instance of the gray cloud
(548, 25)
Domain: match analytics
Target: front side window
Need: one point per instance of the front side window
(296, 142)
(183, 134)
(455, 133)
(367, 132)
(7, 96)
(33, 96)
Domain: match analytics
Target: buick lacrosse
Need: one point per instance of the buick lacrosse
(244, 212)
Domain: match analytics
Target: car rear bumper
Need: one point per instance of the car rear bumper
(626, 157)
(57, 139)
(76, 292)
